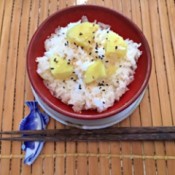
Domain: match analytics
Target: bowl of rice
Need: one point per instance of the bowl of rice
(88, 66)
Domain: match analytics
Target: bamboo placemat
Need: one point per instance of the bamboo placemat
(18, 21)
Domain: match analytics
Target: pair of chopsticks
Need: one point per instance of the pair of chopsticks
(109, 134)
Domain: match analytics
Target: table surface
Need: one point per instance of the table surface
(18, 21)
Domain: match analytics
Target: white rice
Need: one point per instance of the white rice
(89, 96)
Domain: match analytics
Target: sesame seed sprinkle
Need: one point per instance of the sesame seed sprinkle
(79, 87)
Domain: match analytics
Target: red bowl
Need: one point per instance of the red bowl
(120, 24)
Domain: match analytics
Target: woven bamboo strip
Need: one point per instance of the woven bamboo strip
(20, 79)
(4, 53)
(168, 55)
(145, 110)
(169, 64)
(137, 147)
(171, 15)
(3, 61)
(161, 77)
(10, 83)
(4, 37)
(2, 9)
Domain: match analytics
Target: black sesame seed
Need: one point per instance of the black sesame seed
(120, 65)
(63, 87)
(108, 31)
(52, 68)
(103, 102)
(103, 90)
(106, 61)
(106, 84)
(89, 42)
(96, 51)
(82, 47)
(116, 47)
(100, 84)
(79, 86)
(80, 34)
(117, 81)
(90, 53)
(74, 80)
(92, 60)
(63, 81)
(71, 78)
(68, 63)
(73, 72)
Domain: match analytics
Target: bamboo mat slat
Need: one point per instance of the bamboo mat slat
(138, 147)
(18, 21)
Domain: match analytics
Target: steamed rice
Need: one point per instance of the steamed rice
(99, 95)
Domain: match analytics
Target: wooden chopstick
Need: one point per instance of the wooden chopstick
(74, 131)
(112, 130)
(109, 134)
(108, 137)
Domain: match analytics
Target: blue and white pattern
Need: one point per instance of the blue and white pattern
(36, 120)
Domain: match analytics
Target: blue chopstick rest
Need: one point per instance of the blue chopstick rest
(36, 120)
